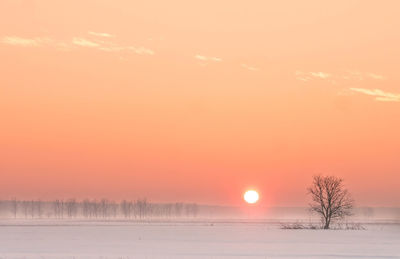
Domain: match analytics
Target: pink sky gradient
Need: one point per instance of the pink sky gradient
(197, 101)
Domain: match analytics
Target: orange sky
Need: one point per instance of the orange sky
(196, 101)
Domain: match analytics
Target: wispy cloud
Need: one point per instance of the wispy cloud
(111, 46)
(379, 95)
(141, 50)
(376, 76)
(85, 43)
(336, 78)
(35, 42)
(251, 68)
(100, 34)
(321, 75)
(353, 75)
(307, 76)
(136, 50)
(205, 58)
(357, 75)
(302, 76)
(76, 42)
(24, 42)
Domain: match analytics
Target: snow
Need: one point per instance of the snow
(196, 239)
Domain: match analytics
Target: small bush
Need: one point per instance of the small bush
(296, 225)
(338, 226)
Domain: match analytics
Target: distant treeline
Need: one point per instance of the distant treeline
(94, 209)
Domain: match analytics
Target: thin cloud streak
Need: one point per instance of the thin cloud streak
(251, 68)
(379, 95)
(141, 50)
(357, 75)
(321, 75)
(347, 75)
(85, 43)
(24, 42)
(101, 34)
(307, 76)
(205, 58)
(73, 44)
(376, 76)
(112, 47)
(136, 50)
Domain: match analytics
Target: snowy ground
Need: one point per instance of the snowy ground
(202, 239)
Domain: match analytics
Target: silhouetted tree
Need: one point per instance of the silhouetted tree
(39, 208)
(191, 210)
(126, 208)
(72, 208)
(58, 206)
(178, 209)
(86, 208)
(330, 199)
(26, 208)
(14, 207)
(141, 207)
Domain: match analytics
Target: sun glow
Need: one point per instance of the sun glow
(251, 196)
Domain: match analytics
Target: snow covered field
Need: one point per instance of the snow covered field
(200, 239)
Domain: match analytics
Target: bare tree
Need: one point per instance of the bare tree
(26, 207)
(14, 206)
(126, 208)
(104, 208)
(113, 209)
(72, 208)
(58, 206)
(32, 208)
(167, 209)
(330, 199)
(141, 207)
(368, 212)
(86, 208)
(178, 209)
(191, 210)
(39, 208)
(95, 208)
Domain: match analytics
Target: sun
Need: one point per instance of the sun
(251, 196)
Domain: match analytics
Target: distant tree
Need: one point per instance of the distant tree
(178, 209)
(39, 208)
(330, 199)
(113, 209)
(104, 206)
(141, 207)
(168, 210)
(32, 208)
(191, 209)
(26, 208)
(14, 207)
(368, 212)
(58, 207)
(86, 208)
(72, 208)
(126, 208)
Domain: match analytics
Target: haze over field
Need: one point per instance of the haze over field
(198, 101)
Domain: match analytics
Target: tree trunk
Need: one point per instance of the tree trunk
(327, 223)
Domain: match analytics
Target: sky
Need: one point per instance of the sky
(198, 101)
